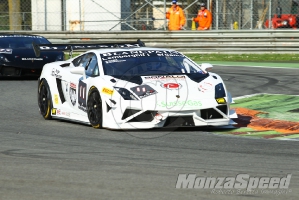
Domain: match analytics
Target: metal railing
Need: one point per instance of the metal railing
(115, 15)
(221, 41)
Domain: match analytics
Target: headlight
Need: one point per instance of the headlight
(219, 91)
(126, 94)
(143, 91)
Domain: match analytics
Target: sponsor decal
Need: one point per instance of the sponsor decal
(32, 59)
(54, 111)
(55, 72)
(107, 91)
(171, 86)
(165, 77)
(240, 184)
(60, 112)
(82, 96)
(7, 51)
(45, 47)
(20, 36)
(187, 103)
(56, 99)
(132, 54)
(205, 86)
(65, 113)
(114, 61)
(73, 95)
(143, 91)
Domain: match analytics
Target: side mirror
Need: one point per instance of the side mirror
(79, 70)
(206, 67)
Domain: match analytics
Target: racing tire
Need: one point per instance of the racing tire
(44, 99)
(94, 108)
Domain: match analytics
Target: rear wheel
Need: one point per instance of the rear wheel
(94, 108)
(44, 99)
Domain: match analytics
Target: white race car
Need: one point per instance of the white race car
(130, 86)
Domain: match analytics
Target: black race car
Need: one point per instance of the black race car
(17, 55)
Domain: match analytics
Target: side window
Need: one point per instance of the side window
(89, 62)
(77, 61)
(82, 61)
(191, 67)
(92, 69)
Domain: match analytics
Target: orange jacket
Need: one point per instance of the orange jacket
(204, 19)
(176, 18)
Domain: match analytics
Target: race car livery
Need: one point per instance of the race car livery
(17, 56)
(130, 86)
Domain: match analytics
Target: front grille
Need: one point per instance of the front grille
(223, 109)
(179, 121)
(210, 113)
(128, 113)
(146, 116)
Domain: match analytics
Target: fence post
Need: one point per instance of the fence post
(15, 20)
(165, 21)
(270, 17)
(217, 13)
(46, 15)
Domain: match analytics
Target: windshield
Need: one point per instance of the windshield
(11, 41)
(149, 62)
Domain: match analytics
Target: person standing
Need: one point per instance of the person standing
(204, 18)
(176, 17)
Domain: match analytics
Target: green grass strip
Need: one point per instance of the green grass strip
(280, 107)
(246, 57)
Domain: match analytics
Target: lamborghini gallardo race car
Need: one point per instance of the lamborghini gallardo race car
(17, 56)
(130, 86)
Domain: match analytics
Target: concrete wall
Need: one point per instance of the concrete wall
(79, 15)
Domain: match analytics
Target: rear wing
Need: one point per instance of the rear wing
(71, 47)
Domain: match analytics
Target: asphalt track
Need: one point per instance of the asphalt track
(60, 160)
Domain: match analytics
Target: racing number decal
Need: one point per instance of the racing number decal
(82, 96)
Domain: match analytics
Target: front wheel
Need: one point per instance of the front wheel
(94, 108)
(44, 99)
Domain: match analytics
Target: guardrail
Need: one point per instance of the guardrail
(221, 41)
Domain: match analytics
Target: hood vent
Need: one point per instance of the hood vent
(197, 77)
(133, 79)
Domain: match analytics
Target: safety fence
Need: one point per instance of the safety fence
(149, 15)
(221, 41)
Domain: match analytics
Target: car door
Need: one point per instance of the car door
(77, 83)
